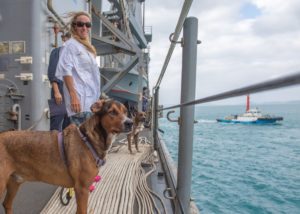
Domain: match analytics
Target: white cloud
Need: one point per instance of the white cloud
(235, 52)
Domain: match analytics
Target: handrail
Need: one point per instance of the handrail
(181, 193)
(185, 9)
(289, 80)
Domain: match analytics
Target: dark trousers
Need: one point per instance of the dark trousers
(59, 122)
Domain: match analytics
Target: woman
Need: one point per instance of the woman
(78, 69)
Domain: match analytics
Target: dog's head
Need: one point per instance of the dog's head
(112, 115)
(140, 117)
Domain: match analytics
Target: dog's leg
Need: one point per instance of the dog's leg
(136, 141)
(12, 189)
(2, 185)
(129, 143)
(82, 196)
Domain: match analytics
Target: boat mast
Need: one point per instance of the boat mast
(248, 103)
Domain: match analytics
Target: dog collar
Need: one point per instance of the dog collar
(99, 161)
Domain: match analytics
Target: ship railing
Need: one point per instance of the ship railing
(179, 187)
(183, 14)
(280, 82)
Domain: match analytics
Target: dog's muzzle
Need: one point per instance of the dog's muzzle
(128, 125)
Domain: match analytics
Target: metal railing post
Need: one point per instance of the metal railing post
(155, 116)
(186, 129)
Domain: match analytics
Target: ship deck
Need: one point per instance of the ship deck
(131, 183)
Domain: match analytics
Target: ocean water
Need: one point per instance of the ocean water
(243, 168)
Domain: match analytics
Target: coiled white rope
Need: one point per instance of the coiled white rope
(123, 188)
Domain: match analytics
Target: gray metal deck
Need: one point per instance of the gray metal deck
(31, 198)
(130, 184)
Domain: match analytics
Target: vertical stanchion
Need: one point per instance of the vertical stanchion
(155, 116)
(140, 80)
(186, 130)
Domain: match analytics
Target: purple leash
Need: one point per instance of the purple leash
(99, 161)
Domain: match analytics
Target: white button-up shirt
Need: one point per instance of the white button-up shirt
(76, 61)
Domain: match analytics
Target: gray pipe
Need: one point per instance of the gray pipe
(50, 8)
(186, 129)
(17, 108)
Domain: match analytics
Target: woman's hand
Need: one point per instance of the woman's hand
(58, 98)
(57, 94)
(75, 104)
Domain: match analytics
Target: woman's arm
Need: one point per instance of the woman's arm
(75, 103)
(57, 94)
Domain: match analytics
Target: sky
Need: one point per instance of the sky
(244, 42)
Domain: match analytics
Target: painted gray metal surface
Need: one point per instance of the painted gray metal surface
(31, 25)
(120, 75)
(20, 26)
(119, 34)
(141, 67)
(106, 46)
(138, 31)
(186, 129)
(119, 45)
(27, 21)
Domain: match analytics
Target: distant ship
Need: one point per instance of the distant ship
(251, 116)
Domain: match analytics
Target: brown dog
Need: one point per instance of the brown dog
(35, 155)
(138, 125)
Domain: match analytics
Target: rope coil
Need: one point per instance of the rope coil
(123, 186)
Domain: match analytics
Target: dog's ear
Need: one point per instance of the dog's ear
(97, 106)
(134, 114)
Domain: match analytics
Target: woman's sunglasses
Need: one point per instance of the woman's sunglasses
(81, 24)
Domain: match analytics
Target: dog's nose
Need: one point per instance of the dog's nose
(128, 123)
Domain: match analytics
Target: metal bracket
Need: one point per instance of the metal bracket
(25, 76)
(173, 41)
(172, 120)
(181, 42)
(168, 196)
(24, 60)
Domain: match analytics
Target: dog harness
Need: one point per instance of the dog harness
(62, 151)
(61, 147)
(99, 161)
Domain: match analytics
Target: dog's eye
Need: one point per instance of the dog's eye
(113, 113)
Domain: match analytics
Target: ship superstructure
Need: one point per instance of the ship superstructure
(26, 41)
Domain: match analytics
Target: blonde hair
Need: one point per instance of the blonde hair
(85, 42)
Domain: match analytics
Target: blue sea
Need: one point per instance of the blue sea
(243, 168)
